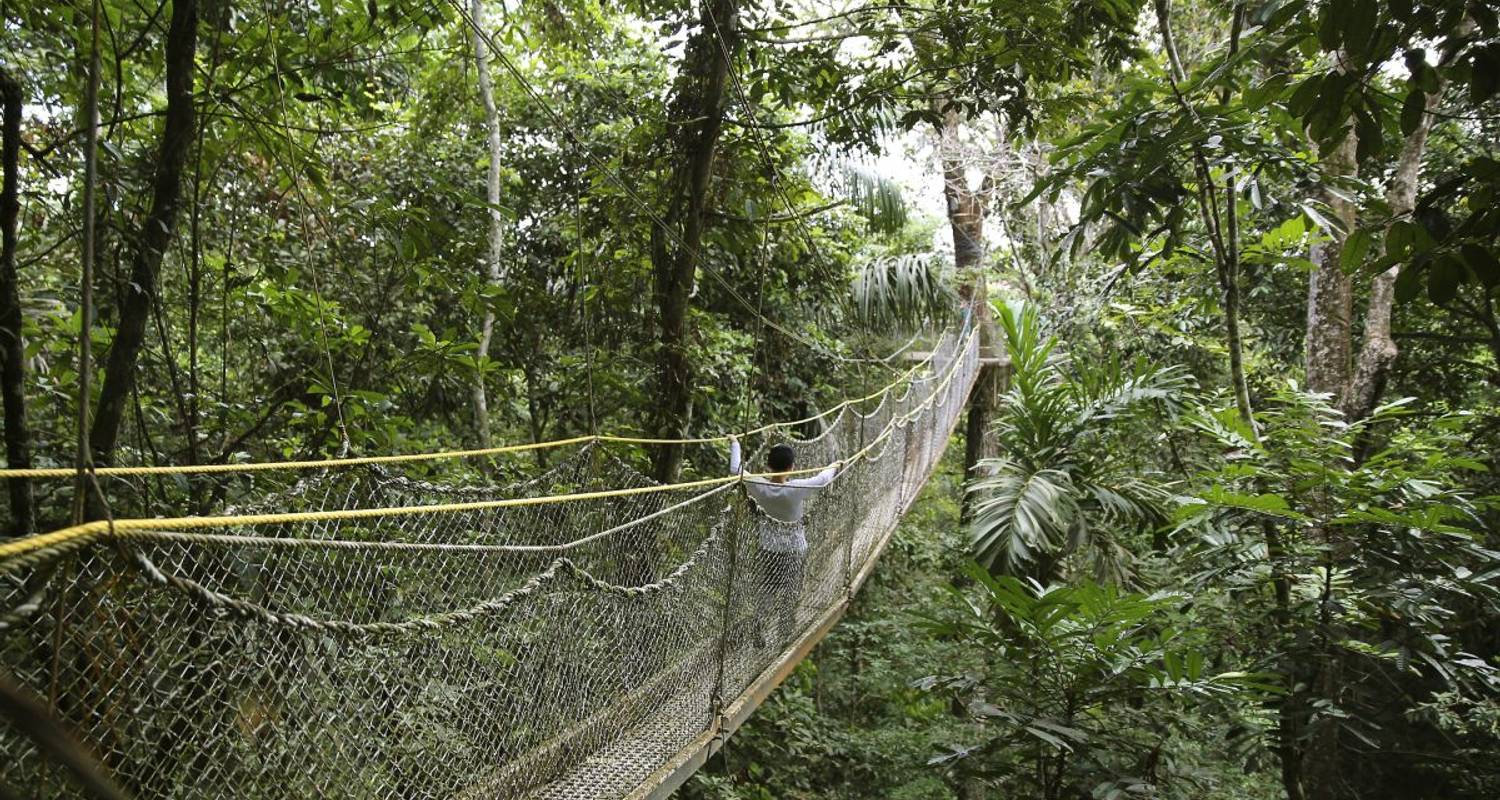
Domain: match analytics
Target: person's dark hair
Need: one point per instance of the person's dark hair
(781, 457)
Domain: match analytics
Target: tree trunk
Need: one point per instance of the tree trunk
(1378, 352)
(155, 234)
(977, 439)
(698, 112)
(12, 345)
(965, 207)
(497, 233)
(1229, 269)
(1327, 353)
(1223, 234)
(966, 216)
(1330, 291)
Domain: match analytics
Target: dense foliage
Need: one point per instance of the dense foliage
(1231, 525)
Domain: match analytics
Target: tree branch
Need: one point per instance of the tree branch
(776, 218)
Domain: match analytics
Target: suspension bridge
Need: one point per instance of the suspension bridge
(586, 633)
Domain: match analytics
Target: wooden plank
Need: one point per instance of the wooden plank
(987, 357)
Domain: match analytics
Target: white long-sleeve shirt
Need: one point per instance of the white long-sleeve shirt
(782, 502)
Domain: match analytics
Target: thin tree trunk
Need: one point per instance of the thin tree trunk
(977, 445)
(1289, 708)
(12, 346)
(534, 416)
(195, 275)
(1226, 254)
(1492, 325)
(698, 108)
(1229, 272)
(1378, 352)
(155, 234)
(83, 456)
(497, 233)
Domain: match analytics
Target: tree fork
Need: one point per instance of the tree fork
(12, 345)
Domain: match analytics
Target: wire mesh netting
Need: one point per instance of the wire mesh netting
(553, 649)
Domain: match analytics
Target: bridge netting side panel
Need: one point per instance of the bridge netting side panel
(561, 649)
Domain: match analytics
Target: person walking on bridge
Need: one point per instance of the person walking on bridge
(782, 538)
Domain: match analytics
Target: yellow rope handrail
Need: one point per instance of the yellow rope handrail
(272, 466)
(107, 527)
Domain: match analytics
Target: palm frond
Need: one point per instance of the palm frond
(1054, 494)
(1123, 394)
(876, 198)
(901, 291)
(1021, 514)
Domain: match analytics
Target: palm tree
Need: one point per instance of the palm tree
(1058, 493)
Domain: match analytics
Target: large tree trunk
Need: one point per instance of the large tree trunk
(965, 206)
(698, 114)
(966, 216)
(1378, 352)
(155, 234)
(1328, 358)
(497, 233)
(12, 346)
(1330, 291)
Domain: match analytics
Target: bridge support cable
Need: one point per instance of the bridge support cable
(489, 646)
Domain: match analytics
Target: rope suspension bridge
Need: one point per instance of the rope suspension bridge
(586, 633)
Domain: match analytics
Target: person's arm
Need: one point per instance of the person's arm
(819, 480)
(734, 455)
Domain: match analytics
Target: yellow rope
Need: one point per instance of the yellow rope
(270, 466)
(106, 527)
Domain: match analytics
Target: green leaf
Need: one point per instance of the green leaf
(1482, 263)
(1371, 136)
(1483, 168)
(1331, 26)
(1356, 247)
(1306, 94)
(1323, 223)
(1447, 274)
(1484, 75)
(1358, 26)
(1407, 239)
(1409, 282)
(1265, 91)
(1412, 110)
(1049, 738)
(1272, 504)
